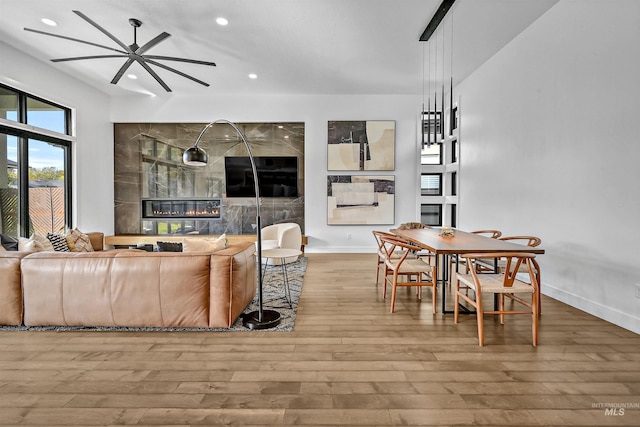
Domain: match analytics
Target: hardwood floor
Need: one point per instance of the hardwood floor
(347, 362)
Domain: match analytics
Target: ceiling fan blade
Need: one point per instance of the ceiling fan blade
(180, 73)
(154, 75)
(75, 40)
(77, 58)
(122, 70)
(105, 32)
(171, 58)
(152, 43)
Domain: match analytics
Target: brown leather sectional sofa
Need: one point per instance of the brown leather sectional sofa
(127, 287)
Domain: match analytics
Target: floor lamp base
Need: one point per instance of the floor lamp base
(270, 319)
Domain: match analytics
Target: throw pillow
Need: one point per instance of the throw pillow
(29, 245)
(34, 243)
(59, 242)
(46, 244)
(169, 246)
(204, 245)
(78, 241)
(8, 242)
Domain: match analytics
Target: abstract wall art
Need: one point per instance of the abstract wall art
(360, 199)
(361, 145)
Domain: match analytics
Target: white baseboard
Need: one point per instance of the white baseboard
(609, 314)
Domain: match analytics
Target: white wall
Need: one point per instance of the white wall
(315, 111)
(93, 149)
(550, 147)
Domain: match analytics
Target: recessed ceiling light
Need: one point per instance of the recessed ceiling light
(253, 76)
(132, 76)
(222, 21)
(49, 22)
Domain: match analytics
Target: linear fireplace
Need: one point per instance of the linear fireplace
(181, 208)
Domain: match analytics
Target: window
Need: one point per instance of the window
(34, 165)
(454, 215)
(8, 104)
(431, 155)
(431, 214)
(431, 184)
(46, 116)
(454, 150)
(453, 125)
(454, 183)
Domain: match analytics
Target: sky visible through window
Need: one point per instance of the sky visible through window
(41, 154)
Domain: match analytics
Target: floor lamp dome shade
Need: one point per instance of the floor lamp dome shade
(195, 156)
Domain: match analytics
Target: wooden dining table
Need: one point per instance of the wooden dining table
(461, 242)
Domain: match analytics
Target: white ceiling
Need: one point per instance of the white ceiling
(295, 46)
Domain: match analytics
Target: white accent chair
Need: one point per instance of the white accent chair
(283, 235)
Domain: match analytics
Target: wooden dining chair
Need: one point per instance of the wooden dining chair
(531, 241)
(470, 287)
(382, 255)
(418, 272)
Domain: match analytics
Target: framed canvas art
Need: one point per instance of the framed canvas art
(360, 199)
(361, 145)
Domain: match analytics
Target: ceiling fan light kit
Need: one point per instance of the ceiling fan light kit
(133, 52)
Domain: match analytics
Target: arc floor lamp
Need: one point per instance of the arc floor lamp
(196, 156)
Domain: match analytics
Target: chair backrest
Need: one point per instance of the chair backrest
(525, 240)
(514, 260)
(494, 234)
(378, 235)
(391, 242)
(288, 234)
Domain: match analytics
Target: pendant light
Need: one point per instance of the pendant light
(443, 106)
(452, 116)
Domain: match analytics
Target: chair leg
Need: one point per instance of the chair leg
(456, 300)
(534, 321)
(385, 281)
(479, 317)
(393, 292)
(434, 289)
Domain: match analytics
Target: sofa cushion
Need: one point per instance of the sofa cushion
(59, 242)
(78, 241)
(194, 244)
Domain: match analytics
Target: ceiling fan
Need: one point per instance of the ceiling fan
(132, 52)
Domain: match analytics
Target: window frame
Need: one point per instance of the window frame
(24, 132)
(439, 206)
(439, 175)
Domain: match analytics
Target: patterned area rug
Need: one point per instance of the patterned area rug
(273, 298)
(273, 294)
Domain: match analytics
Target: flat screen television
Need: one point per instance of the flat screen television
(277, 176)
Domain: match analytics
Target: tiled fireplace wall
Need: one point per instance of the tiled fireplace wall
(148, 166)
